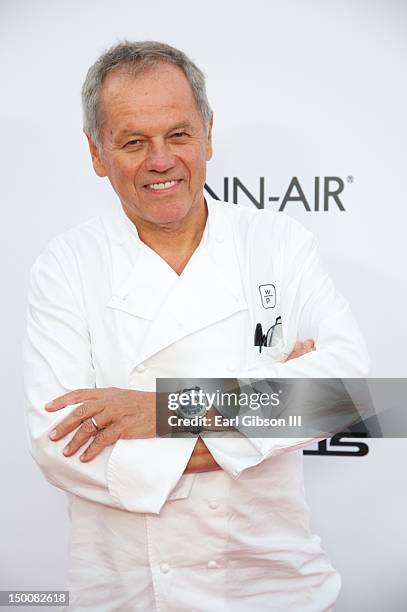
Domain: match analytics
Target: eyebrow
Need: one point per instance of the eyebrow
(128, 132)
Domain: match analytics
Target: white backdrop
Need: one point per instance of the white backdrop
(299, 89)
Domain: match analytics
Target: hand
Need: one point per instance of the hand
(119, 413)
(301, 348)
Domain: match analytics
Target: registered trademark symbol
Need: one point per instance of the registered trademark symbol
(350, 179)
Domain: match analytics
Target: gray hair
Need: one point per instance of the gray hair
(137, 56)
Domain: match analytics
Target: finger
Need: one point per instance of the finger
(309, 345)
(301, 348)
(297, 351)
(303, 351)
(86, 431)
(73, 397)
(77, 416)
(104, 438)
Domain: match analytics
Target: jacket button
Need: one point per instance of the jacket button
(165, 568)
(219, 238)
(212, 564)
(140, 368)
(213, 504)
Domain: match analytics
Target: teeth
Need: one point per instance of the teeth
(162, 185)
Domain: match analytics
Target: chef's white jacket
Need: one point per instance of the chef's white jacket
(105, 310)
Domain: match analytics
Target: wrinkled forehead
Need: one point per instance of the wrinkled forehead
(147, 83)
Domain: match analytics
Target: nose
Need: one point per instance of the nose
(159, 157)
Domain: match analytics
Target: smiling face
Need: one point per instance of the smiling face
(154, 145)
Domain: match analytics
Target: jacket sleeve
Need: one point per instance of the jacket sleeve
(57, 356)
(310, 308)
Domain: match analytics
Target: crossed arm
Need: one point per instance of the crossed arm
(122, 414)
(141, 477)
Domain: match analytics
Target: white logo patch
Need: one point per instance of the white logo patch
(268, 295)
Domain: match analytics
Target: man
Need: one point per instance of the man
(169, 285)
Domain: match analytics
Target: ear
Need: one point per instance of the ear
(209, 150)
(97, 160)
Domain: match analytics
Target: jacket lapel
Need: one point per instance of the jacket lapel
(146, 287)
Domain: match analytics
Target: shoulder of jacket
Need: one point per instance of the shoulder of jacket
(75, 243)
(87, 234)
(89, 230)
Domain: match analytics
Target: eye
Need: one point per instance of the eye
(134, 142)
(180, 134)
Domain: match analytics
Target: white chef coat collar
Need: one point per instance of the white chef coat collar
(208, 290)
